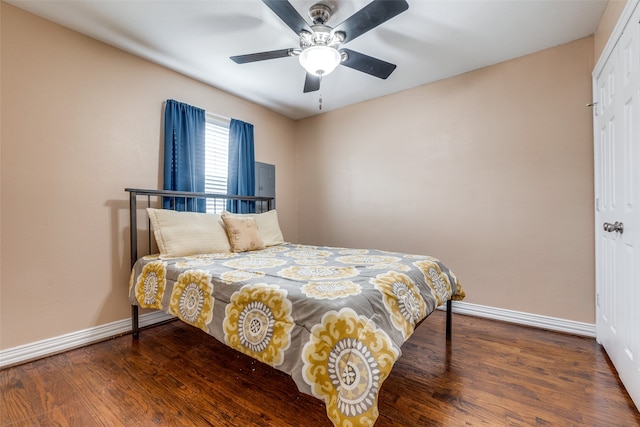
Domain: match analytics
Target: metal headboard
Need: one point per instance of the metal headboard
(262, 204)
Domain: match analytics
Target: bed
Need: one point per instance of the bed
(333, 318)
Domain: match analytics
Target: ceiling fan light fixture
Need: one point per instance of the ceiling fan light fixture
(320, 60)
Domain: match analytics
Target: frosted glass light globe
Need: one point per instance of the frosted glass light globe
(319, 60)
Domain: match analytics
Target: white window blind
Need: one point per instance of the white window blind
(216, 162)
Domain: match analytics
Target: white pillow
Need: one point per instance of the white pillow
(268, 226)
(188, 233)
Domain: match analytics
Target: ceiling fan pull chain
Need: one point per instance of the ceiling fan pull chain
(319, 93)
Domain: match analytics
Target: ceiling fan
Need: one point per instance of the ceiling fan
(320, 49)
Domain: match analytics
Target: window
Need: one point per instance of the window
(216, 161)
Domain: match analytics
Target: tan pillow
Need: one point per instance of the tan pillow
(188, 233)
(243, 233)
(268, 226)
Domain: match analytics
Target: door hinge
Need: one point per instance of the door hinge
(597, 299)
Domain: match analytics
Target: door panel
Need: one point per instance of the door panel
(617, 192)
(605, 187)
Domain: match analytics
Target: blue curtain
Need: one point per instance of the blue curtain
(184, 154)
(241, 175)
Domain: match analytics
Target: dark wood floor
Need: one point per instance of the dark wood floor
(492, 374)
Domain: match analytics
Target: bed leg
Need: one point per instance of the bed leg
(448, 330)
(134, 322)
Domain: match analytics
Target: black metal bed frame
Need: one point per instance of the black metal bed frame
(262, 204)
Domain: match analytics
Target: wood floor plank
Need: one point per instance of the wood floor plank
(490, 374)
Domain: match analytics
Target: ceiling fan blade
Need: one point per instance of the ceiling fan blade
(261, 56)
(311, 83)
(288, 14)
(370, 16)
(368, 64)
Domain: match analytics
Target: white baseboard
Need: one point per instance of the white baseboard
(51, 346)
(528, 319)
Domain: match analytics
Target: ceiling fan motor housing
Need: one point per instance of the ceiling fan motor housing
(321, 36)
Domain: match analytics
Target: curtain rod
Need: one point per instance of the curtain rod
(211, 115)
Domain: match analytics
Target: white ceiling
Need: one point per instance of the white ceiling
(432, 40)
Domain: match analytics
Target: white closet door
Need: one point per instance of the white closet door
(617, 192)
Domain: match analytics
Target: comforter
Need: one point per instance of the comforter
(332, 318)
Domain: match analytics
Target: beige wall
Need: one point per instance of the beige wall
(80, 122)
(490, 171)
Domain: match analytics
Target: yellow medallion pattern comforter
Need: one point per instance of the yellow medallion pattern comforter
(332, 318)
